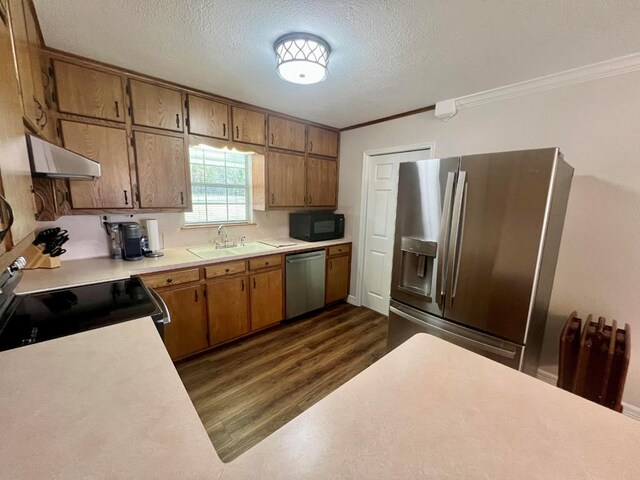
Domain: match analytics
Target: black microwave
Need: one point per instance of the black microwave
(316, 226)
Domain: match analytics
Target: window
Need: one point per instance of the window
(220, 187)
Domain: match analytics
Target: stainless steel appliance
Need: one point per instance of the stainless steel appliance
(29, 319)
(131, 233)
(316, 226)
(305, 273)
(50, 160)
(476, 244)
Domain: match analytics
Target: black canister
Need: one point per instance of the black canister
(131, 241)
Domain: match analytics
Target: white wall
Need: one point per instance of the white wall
(87, 237)
(597, 126)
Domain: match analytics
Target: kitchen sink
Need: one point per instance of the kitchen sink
(207, 252)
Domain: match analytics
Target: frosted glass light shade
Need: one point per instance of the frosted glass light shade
(302, 58)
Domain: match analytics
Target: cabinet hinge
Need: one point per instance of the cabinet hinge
(132, 140)
(187, 123)
(58, 132)
(186, 103)
(128, 88)
(129, 111)
(51, 72)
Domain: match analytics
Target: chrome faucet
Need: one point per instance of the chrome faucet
(226, 234)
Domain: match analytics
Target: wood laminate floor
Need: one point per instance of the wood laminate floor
(245, 391)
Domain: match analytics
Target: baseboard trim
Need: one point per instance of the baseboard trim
(628, 410)
(352, 300)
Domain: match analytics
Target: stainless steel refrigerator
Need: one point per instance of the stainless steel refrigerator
(476, 245)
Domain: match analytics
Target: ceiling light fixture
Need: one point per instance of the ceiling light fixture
(302, 58)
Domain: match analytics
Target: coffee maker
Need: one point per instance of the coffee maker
(131, 241)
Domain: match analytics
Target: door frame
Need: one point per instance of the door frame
(364, 194)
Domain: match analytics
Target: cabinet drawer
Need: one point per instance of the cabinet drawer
(339, 249)
(224, 269)
(167, 279)
(264, 262)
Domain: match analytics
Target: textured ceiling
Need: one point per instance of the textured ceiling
(389, 56)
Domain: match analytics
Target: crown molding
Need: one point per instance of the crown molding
(608, 68)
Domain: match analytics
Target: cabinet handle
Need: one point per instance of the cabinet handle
(226, 270)
(311, 146)
(126, 198)
(330, 265)
(266, 263)
(196, 292)
(237, 132)
(177, 120)
(169, 280)
(181, 198)
(242, 282)
(254, 282)
(272, 139)
(224, 129)
(117, 109)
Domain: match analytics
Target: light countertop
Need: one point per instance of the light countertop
(73, 273)
(109, 404)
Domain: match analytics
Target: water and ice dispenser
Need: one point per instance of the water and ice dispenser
(418, 258)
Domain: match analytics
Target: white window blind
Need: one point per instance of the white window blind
(220, 188)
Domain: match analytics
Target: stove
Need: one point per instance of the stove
(44, 316)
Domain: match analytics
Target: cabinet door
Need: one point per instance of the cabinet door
(88, 92)
(107, 146)
(337, 278)
(322, 178)
(52, 198)
(208, 118)
(23, 61)
(162, 177)
(187, 332)
(323, 142)
(286, 134)
(45, 124)
(228, 303)
(154, 106)
(267, 302)
(248, 126)
(285, 180)
(14, 160)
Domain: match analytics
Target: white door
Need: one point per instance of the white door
(382, 195)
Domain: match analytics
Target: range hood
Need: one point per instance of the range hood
(49, 160)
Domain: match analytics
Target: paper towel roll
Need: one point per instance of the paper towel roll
(153, 235)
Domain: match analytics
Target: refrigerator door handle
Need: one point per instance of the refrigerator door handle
(443, 239)
(453, 260)
(455, 337)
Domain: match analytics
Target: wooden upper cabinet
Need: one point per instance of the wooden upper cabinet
(208, 118)
(322, 179)
(28, 70)
(285, 180)
(286, 134)
(323, 142)
(155, 106)
(109, 147)
(248, 126)
(162, 172)
(88, 92)
(267, 298)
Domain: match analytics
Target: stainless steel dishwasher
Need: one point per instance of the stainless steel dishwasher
(305, 282)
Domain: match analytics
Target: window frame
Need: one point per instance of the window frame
(247, 187)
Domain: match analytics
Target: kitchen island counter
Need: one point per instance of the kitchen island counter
(73, 273)
(109, 404)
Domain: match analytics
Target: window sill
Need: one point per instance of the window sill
(196, 226)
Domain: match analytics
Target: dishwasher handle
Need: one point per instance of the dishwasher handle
(166, 315)
(305, 257)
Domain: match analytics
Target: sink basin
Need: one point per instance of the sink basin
(207, 252)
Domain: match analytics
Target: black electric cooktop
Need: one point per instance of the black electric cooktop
(45, 316)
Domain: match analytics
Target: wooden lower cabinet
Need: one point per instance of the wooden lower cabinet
(337, 274)
(187, 332)
(228, 304)
(267, 298)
